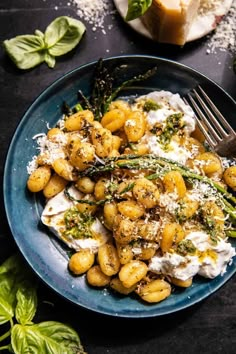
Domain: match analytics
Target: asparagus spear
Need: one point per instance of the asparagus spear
(103, 92)
(160, 166)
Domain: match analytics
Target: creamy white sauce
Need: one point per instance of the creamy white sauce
(215, 256)
(60, 202)
(53, 217)
(175, 265)
(170, 104)
(210, 260)
(175, 151)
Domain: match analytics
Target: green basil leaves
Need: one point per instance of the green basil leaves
(137, 8)
(46, 337)
(18, 305)
(60, 37)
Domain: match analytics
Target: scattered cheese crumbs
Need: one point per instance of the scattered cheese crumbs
(224, 36)
(206, 6)
(203, 191)
(169, 201)
(32, 165)
(94, 12)
(227, 162)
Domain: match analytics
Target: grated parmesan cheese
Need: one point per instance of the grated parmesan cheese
(94, 12)
(32, 165)
(224, 36)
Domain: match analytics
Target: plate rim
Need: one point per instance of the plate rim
(230, 271)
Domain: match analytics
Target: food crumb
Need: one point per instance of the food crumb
(94, 12)
(223, 37)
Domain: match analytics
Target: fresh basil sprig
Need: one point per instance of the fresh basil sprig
(18, 305)
(60, 37)
(137, 8)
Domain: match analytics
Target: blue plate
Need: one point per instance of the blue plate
(45, 254)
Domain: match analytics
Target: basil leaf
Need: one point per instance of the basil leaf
(13, 273)
(25, 340)
(39, 34)
(26, 51)
(26, 303)
(8, 288)
(13, 264)
(50, 60)
(47, 337)
(137, 8)
(6, 311)
(63, 34)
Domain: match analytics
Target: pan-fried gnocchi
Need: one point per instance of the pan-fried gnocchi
(138, 196)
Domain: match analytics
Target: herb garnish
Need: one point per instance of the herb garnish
(151, 105)
(137, 8)
(18, 305)
(60, 37)
(185, 247)
(173, 125)
(211, 228)
(78, 225)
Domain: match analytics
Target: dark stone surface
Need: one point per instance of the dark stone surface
(208, 327)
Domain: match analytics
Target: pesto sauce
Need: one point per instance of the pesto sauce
(211, 228)
(173, 125)
(186, 247)
(78, 225)
(151, 105)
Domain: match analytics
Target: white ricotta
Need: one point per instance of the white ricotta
(213, 258)
(210, 260)
(175, 151)
(175, 265)
(170, 103)
(53, 217)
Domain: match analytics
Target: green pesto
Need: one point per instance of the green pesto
(173, 125)
(186, 247)
(151, 105)
(211, 228)
(78, 225)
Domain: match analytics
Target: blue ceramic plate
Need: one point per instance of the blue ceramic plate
(45, 254)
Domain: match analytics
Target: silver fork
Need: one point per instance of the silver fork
(218, 133)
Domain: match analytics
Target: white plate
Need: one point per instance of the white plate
(201, 26)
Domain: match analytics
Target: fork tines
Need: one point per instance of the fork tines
(219, 134)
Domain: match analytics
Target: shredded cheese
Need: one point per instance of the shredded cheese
(224, 36)
(94, 12)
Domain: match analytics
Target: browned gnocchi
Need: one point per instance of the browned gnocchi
(135, 195)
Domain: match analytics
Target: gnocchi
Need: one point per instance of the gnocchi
(38, 180)
(81, 261)
(141, 190)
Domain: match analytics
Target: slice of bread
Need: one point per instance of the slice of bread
(169, 21)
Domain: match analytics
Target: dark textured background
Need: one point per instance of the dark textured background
(208, 327)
